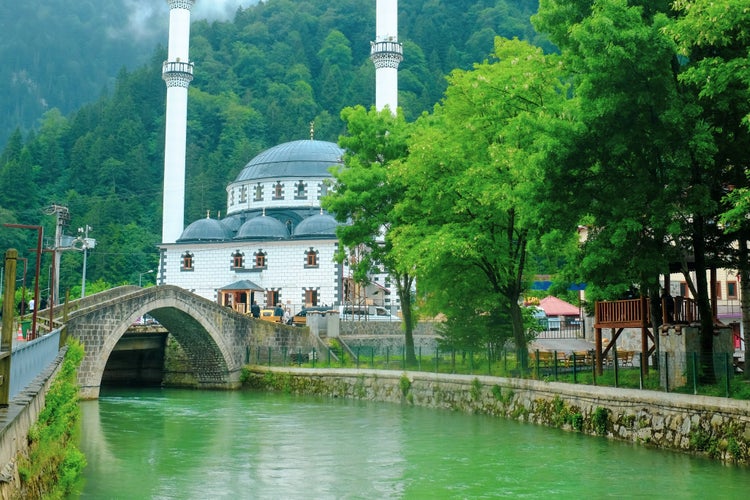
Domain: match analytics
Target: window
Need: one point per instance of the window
(272, 298)
(300, 192)
(258, 192)
(684, 290)
(323, 189)
(260, 259)
(311, 258)
(278, 193)
(243, 194)
(238, 259)
(231, 197)
(311, 298)
(187, 262)
(731, 290)
(718, 290)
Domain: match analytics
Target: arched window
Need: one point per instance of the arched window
(238, 260)
(260, 259)
(278, 191)
(187, 262)
(311, 258)
(323, 189)
(243, 194)
(258, 192)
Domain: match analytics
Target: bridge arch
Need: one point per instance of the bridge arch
(214, 338)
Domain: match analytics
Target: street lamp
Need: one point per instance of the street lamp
(140, 276)
(86, 243)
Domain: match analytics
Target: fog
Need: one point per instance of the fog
(149, 19)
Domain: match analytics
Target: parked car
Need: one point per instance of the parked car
(268, 315)
(300, 319)
(366, 313)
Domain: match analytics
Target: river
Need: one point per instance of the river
(180, 444)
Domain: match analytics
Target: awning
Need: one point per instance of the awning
(242, 285)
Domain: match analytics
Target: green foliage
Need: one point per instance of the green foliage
(54, 464)
(261, 78)
(600, 420)
(576, 421)
(476, 389)
(405, 384)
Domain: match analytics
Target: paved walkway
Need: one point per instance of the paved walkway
(563, 345)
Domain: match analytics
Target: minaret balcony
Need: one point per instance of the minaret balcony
(386, 54)
(388, 47)
(177, 73)
(177, 67)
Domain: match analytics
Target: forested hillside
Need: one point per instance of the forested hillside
(260, 80)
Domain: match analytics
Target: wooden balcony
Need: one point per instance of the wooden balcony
(631, 313)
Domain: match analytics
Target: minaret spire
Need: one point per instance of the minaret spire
(386, 53)
(177, 73)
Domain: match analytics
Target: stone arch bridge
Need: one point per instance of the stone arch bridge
(215, 339)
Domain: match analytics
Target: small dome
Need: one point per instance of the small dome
(205, 230)
(316, 226)
(293, 159)
(263, 227)
(232, 223)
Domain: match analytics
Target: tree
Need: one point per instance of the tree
(713, 37)
(366, 194)
(641, 170)
(471, 171)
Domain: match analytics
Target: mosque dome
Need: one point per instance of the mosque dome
(205, 230)
(232, 223)
(263, 227)
(321, 226)
(298, 159)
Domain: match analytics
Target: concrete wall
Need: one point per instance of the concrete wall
(15, 422)
(679, 345)
(717, 427)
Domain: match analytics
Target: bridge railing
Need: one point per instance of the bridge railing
(30, 359)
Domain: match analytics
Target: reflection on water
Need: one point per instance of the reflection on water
(172, 444)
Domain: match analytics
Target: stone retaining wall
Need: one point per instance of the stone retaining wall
(716, 427)
(15, 422)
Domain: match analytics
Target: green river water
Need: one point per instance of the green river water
(178, 444)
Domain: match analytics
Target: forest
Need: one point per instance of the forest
(261, 79)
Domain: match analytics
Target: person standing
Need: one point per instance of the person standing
(255, 310)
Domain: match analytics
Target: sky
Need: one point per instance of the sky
(150, 18)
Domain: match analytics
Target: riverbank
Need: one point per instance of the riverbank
(718, 428)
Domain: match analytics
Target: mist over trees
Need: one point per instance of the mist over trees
(260, 79)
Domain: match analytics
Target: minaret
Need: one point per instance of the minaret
(386, 53)
(177, 73)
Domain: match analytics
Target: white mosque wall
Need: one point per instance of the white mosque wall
(285, 269)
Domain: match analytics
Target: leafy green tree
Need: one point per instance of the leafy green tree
(641, 169)
(470, 174)
(365, 195)
(713, 37)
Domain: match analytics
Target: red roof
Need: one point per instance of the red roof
(553, 306)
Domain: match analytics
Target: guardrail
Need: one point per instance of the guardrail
(30, 358)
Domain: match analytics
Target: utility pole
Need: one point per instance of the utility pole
(6, 340)
(63, 220)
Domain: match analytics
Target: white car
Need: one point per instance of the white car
(366, 313)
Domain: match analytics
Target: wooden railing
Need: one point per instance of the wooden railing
(630, 312)
(620, 313)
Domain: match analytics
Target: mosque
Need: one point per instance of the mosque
(276, 244)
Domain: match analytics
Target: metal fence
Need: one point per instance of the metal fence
(30, 358)
(620, 368)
